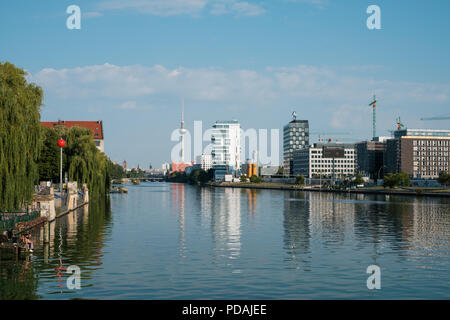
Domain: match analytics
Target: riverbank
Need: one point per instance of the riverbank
(433, 192)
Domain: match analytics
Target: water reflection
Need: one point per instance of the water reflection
(76, 239)
(226, 223)
(178, 203)
(296, 224)
(175, 241)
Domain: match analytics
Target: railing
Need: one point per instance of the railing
(8, 220)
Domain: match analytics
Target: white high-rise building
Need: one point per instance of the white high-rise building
(226, 144)
(205, 161)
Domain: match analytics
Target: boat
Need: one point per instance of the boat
(135, 181)
(119, 190)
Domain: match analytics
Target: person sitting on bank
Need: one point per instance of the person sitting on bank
(29, 242)
(4, 237)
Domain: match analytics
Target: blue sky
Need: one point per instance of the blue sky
(255, 61)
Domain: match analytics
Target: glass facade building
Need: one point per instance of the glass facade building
(295, 137)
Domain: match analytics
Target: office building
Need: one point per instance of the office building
(295, 137)
(250, 168)
(311, 163)
(370, 157)
(421, 153)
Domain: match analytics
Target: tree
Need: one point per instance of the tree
(177, 177)
(280, 171)
(444, 178)
(255, 179)
(48, 160)
(300, 179)
(194, 176)
(358, 179)
(403, 179)
(82, 160)
(20, 136)
(395, 180)
(243, 178)
(117, 171)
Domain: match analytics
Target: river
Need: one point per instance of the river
(176, 241)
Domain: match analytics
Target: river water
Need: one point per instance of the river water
(176, 241)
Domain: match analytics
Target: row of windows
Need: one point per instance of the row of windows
(431, 143)
(423, 154)
(320, 157)
(429, 149)
(345, 152)
(428, 159)
(431, 164)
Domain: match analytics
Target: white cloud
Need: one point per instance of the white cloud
(91, 14)
(185, 7)
(216, 84)
(133, 105)
(337, 97)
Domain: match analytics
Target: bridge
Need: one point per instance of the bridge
(148, 178)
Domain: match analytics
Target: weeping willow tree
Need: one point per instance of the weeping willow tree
(20, 137)
(82, 160)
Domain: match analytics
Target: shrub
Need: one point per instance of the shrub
(300, 180)
(255, 179)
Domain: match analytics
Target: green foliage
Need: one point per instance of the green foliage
(20, 136)
(358, 179)
(255, 179)
(138, 173)
(48, 161)
(117, 171)
(177, 177)
(444, 179)
(243, 178)
(300, 179)
(395, 180)
(81, 159)
(280, 171)
(200, 176)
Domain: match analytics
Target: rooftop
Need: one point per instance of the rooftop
(422, 132)
(227, 122)
(96, 127)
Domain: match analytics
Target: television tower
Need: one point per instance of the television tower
(182, 130)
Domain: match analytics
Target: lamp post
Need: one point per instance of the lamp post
(379, 171)
(61, 144)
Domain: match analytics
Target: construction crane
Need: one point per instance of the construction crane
(400, 125)
(373, 104)
(444, 117)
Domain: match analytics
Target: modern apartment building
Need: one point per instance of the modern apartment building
(205, 161)
(295, 137)
(421, 153)
(226, 144)
(310, 162)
